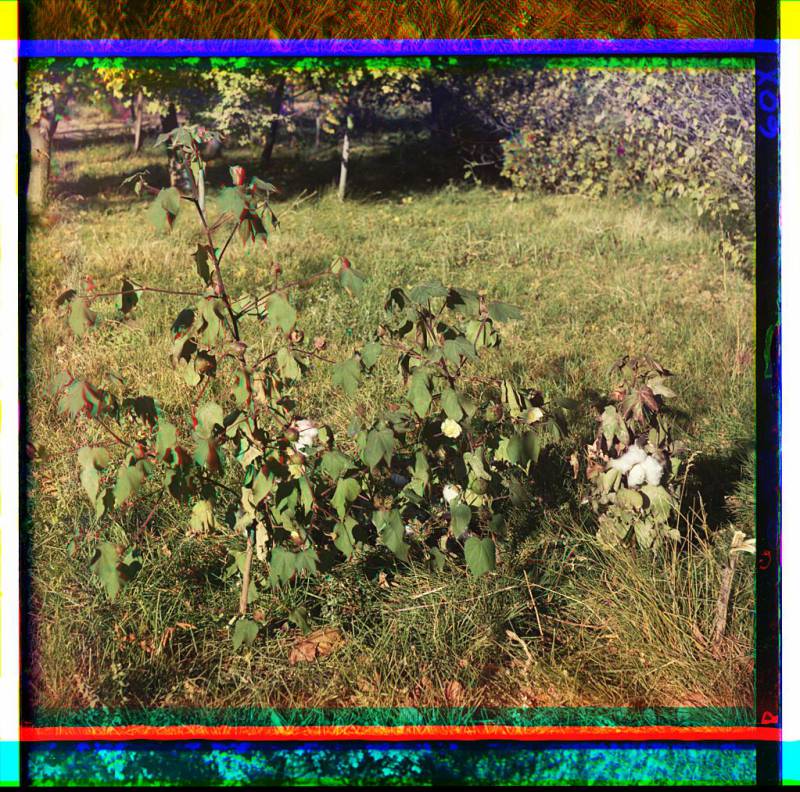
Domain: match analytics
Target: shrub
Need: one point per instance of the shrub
(421, 479)
(673, 133)
(633, 466)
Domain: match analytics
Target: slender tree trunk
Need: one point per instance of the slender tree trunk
(41, 137)
(319, 129)
(138, 112)
(345, 158)
(272, 134)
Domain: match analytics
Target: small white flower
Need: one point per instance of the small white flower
(450, 492)
(451, 428)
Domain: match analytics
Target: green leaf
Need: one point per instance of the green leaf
(347, 490)
(202, 519)
(613, 425)
(419, 394)
(93, 457)
(183, 321)
(245, 632)
(129, 297)
(391, 532)
(436, 559)
(81, 317)
(231, 200)
(165, 208)
(208, 416)
(370, 353)
(532, 442)
(213, 328)
(451, 404)
(129, 480)
(645, 533)
(660, 502)
(206, 454)
(379, 445)
(280, 313)
(480, 555)
(464, 301)
(629, 499)
(262, 486)
(457, 348)
(282, 565)
(503, 312)
(343, 539)
(80, 397)
(335, 463)
(91, 460)
(242, 389)
(90, 479)
(347, 375)
(512, 398)
(201, 258)
(427, 291)
(351, 281)
(105, 565)
(288, 366)
(460, 516)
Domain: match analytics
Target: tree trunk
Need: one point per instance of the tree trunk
(41, 137)
(138, 111)
(319, 129)
(272, 134)
(441, 102)
(178, 173)
(345, 158)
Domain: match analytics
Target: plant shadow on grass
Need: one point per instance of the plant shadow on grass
(377, 170)
(727, 484)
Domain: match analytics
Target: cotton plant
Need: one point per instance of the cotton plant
(461, 446)
(633, 466)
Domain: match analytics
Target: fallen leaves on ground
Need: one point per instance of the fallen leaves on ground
(319, 643)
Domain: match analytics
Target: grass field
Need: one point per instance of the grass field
(561, 623)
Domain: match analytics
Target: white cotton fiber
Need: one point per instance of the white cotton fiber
(451, 492)
(653, 471)
(636, 475)
(633, 456)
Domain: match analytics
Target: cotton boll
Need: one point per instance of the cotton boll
(636, 475)
(653, 471)
(307, 434)
(633, 456)
(450, 492)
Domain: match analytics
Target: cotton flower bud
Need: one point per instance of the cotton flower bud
(276, 269)
(237, 175)
(296, 336)
(320, 342)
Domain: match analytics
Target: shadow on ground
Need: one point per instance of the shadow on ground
(381, 167)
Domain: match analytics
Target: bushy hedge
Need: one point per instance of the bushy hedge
(674, 133)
